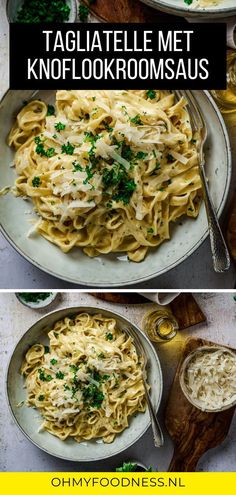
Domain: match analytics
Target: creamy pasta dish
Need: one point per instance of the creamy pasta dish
(88, 382)
(107, 171)
(202, 3)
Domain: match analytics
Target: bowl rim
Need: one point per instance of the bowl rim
(74, 309)
(184, 367)
(189, 12)
(72, 2)
(160, 272)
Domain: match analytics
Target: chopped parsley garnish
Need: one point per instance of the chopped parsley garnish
(40, 150)
(36, 182)
(33, 11)
(43, 377)
(51, 110)
(77, 167)
(150, 230)
(117, 179)
(136, 120)
(83, 12)
(107, 126)
(105, 377)
(41, 397)
(46, 349)
(68, 148)
(151, 94)
(141, 155)
(60, 375)
(74, 368)
(126, 152)
(101, 355)
(170, 158)
(109, 336)
(92, 396)
(188, 2)
(66, 387)
(59, 126)
(53, 361)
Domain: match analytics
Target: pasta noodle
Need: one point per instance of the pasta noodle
(109, 171)
(88, 382)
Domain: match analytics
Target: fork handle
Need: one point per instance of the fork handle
(156, 429)
(220, 254)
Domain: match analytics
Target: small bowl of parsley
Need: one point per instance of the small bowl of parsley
(36, 11)
(36, 300)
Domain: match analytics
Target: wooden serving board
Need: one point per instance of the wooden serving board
(192, 431)
(184, 307)
(128, 11)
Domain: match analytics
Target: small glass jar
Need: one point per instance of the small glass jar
(226, 98)
(160, 324)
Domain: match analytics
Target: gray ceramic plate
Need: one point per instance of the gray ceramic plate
(29, 419)
(224, 8)
(110, 270)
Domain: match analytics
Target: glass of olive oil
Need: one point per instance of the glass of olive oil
(160, 324)
(226, 98)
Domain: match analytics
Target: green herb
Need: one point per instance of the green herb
(43, 377)
(170, 158)
(83, 12)
(105, 377)
(109, 336)
(51, 110)
(34, 297)
(36, 182)
(150, 231)
(46, 349)
(74, 368)
(126, 152)
(93, 396)
(193, 141)
(54, 136)
(68, 148)
(117, 179)
(53, 361)
(60, 375)
(77, 167)
(151, 94)
(50, 152)
(127, 466)
(101, 355)
(136, 120)
(141, 155)
(59, 126)
(66, 387)
(188, 2)
(107, 126)
(40, 150)
(32, 11)
(41, 397)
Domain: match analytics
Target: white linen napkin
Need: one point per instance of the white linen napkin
(161, 298)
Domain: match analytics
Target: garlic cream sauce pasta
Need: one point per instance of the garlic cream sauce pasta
(108, 171)
(88, 382)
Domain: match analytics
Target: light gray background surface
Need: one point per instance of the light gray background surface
(18, 454)
(196, 272)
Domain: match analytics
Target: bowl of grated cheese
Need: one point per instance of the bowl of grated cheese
(208, 378)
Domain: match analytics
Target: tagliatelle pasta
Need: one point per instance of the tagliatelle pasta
(110, 170)
(88, 382)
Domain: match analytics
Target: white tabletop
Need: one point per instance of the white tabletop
(18, 454)
(195, 272)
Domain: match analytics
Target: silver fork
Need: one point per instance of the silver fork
(156, 429)
(220, 254)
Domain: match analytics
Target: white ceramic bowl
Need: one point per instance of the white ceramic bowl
(110, 270)
(196, 403)
(225, 8)
(37, 305)
(29, 420)
(14, 5)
